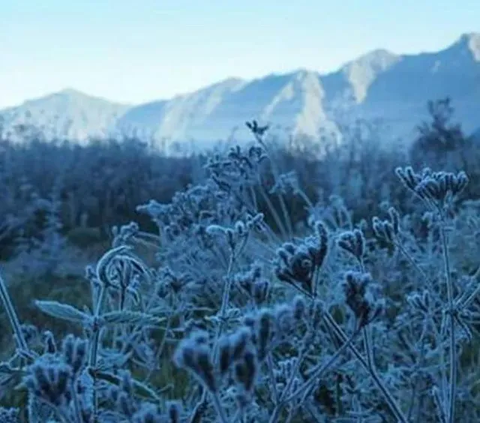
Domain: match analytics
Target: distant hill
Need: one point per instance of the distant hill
(379, 85)
(68, 114)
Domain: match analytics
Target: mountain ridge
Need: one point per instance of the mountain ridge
(378, 84)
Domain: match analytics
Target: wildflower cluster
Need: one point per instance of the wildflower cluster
(297, 264)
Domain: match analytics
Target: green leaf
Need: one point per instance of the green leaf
(62, 311)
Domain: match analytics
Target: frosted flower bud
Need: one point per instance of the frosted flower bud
(353, 242)
(75, 352)
(240, 229)
(185, 355)
(224, 355)
(430, 189)
(49, 343)
(284, 255)
(195, 357)
(30, 332)
(239, 342)
(260, 291)
(246, 371)
(460, 183)
(174, 411)
(322, 235)
(408, 177)
(264, 333)
(420, 301)
(49, 379)
(394, 220)
(301, 268)
(205, 368)
(383, 230)
(283, 318)
(355, 289)
(299, 307)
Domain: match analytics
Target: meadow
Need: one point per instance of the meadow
(334, 282)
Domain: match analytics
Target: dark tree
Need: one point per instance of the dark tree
(441, 143)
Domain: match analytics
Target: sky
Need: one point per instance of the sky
(138, 51)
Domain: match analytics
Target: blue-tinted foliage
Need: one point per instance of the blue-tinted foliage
(237, 309)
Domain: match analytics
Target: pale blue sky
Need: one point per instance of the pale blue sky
(136, 51)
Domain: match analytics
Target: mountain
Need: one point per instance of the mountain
(184, 117)
(379, 85)
(400, 93)
(68, 114)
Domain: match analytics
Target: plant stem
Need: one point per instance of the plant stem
(219, 408)
(451, 307)
(388, 397)
(12, 317)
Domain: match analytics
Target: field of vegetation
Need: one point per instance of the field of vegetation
(331, 283)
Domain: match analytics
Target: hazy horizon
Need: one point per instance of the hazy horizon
(132, 56)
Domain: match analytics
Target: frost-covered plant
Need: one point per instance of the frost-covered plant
(41, 255)
(243, 320)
